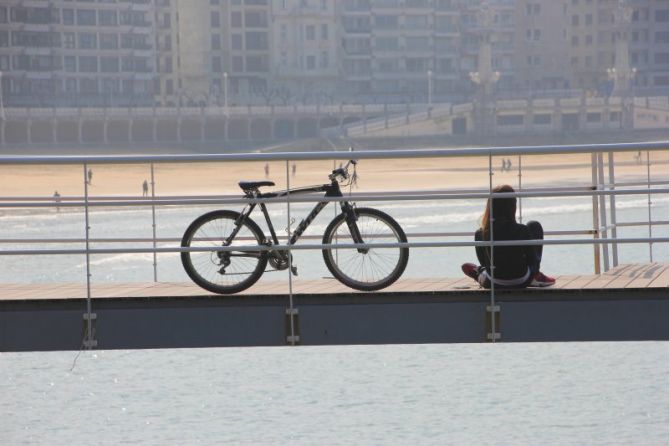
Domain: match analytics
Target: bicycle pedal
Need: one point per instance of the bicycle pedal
(293, 269)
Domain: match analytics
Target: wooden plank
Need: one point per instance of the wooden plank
(563, 281)
(620, 269)
(600, 282)
(662, 280)
(579, 282)
(647, 277)
(632, 273)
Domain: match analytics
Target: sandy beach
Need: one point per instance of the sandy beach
(373, 175)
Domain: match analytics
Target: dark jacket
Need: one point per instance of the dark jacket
(511, 262)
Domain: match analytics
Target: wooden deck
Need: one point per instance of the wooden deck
(629, 276)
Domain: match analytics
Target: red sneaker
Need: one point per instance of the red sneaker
(542, 280)
(470, 270)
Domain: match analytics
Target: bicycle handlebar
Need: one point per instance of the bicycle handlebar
(342, 171)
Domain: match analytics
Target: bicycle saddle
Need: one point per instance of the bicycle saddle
(248, 185)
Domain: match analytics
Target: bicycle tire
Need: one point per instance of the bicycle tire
(374, 269)
(204, 267)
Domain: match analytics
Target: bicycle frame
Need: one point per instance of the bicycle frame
(331, 190)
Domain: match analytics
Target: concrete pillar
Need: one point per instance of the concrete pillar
(105, 130)
(557, 116)
(2, 132)
(80, 137)
(29, 128)
(202, 124)
(179, 129)
(131, 124)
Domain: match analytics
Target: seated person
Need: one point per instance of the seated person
(514, 266)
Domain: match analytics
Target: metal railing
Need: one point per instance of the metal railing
(602, 188)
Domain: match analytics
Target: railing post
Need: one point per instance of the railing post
(493, 311)
(612, 204)
(89, 338)
(595, 212)
(602, 210)
(520, 188)
(291, 312)
(153, 224)
(650, 220)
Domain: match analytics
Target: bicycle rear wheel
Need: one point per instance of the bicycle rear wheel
(368, 269)
(223, 272)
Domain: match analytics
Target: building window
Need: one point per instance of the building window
(236, 41)
(86, 17)
(68, 16)
(68, 40)
(216, 64)
(310, 32)
(324, 31)
(236, 19)
(215, 41)
(108, 41)
(109, 64)
(215, 19)
(256, 40)
(88, 41)
(255, 19)
(70, 64)
(107, 18)
(311, 62)
(88, 64)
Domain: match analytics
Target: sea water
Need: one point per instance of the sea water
(554, 394)
(480, 394)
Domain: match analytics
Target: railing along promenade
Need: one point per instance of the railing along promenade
(603, 189)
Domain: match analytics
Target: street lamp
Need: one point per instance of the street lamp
(429, 88)
(225, 91)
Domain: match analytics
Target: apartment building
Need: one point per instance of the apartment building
(399, 49)
(305, 45)
(77, 53)
(541, 58)
(593, 31)
(167, 52)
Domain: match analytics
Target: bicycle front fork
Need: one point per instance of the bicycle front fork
(352, 223)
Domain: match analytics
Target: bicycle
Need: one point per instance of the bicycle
(229, 271)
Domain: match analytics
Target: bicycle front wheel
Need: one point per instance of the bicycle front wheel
(367, 269)
(223, 272)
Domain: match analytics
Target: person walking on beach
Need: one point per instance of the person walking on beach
(145, 188)
(266, 170)
(90, 176)
(514, 266)
(56, 198)
(294, 169)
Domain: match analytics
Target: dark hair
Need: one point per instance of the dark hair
(502, 209)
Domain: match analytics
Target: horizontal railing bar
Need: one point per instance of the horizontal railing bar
(281, 237)
(245, 248)
(638, 183)
(72, 198)
(333, 155)
(310, 198)
(643, 223)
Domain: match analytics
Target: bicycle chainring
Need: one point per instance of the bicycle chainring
(278, 261)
